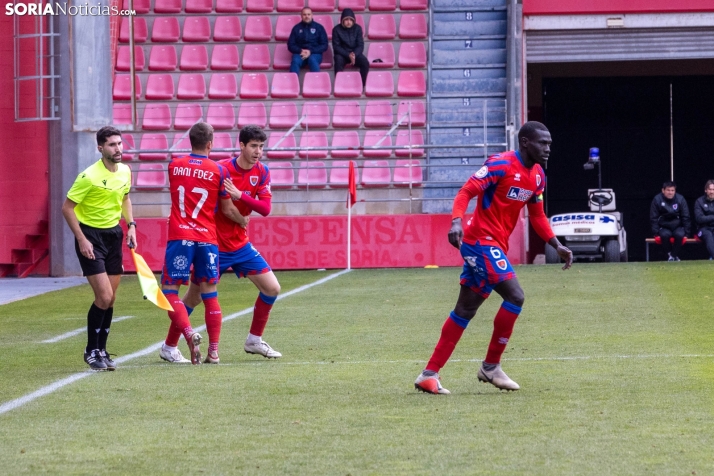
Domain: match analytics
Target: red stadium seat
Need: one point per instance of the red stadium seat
(165, 30)
(282, 175)
(285, 24)
(221, 115)
(371, 138)
(227, 28)
(382, 5)
(229, 6)
(403, 138)
(224, 58)
(381, 51)
(283, 115)
(340, 174)
(121, 113)
(258, 28)
(411, 84)
(141, 32)
(194, 58)
(382, 27)
(315, 114)
(360, 21)
(346, 114)
(348, 84)
(322, 6)
(290, 6)
(187, 114)
(254, 86)
(196, 29)
(379, 84)
(414, 109)
(167, 6)
(223, 86)
(289, 141)
(124, 58)
(129, 144)
(327, 58)
(163, 58)
(157, 117)
(181, 141)
(285, 85)
(256, 57)
(160, 86)
(404, 173)
(317, 85)
(312, 175)
(356, 5)
(122, 87)
(153, 141)
(345, 139)
(326, 21)
(151, 177)
(140, 6)
(259, 6)
(413, 26)
(221, 140)
(375, 173)
(199, 6)
(282, 57)
(378, 114)
(313, 139)
(252, 113)
(412, 55)
(413, 4)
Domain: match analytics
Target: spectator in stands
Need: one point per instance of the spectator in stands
(669, 218)
(348, 45)
(307, 42)
(704, 217)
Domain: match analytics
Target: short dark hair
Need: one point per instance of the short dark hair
(709, 182)
(305, 8)
(105, 133)
(200, 135)
(529, 128)
(669, 183)
(252, 132)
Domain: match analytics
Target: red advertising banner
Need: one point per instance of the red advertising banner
(569, 7)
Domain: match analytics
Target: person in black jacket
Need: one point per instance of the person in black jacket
(704, 217)
(348, 45)
(669, 218)
(307, 42)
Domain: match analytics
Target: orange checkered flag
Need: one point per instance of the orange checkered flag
(147, 281)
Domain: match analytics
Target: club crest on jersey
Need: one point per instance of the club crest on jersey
(674, 207)
(501, 264)
(254, 180)
(517, 178)
(195, 161)
(538, 180)
(482, 172)
(520, 194)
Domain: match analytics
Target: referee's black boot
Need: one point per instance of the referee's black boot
(111, 365)
(95, 360)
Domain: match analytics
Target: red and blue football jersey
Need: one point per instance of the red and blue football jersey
(195, 183)
(503, 186)
(256, 184)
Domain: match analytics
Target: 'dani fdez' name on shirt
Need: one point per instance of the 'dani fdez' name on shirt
(196, 173)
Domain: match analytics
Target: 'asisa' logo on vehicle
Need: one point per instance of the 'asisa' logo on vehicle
(520, 194)
(573, 217)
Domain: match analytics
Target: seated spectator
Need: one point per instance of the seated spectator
(669, 218)
(704, 217)
(307, 42)
(348, 45)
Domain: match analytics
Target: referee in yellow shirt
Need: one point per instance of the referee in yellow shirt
(94, 205)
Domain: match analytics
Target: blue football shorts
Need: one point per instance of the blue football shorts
(190, 260)
(246, 261)
(484, 267)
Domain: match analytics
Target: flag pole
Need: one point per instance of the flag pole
(349, 234)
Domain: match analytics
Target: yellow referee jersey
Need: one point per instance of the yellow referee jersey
(99, 194)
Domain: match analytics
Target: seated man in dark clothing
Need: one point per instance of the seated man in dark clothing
(669, 218)
(704, 217)
(348, 45)
(307, 42)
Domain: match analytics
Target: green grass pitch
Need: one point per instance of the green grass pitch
(615, 363)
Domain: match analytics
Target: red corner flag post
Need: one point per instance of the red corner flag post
(351, 200)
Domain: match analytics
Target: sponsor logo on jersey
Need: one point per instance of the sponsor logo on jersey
(517, 178)
(573, 217)
(180, 262)
(254, 180)
(187, 243)
(195, 161)
(212, 257)
(538, 180)
(482, 172)
(502, 264)
(520, 194)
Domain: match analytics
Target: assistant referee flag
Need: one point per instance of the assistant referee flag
(147, 281)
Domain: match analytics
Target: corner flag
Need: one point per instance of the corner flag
(352, 198)
(147, 281)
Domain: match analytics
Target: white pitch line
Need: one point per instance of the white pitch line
(18, 402)
(73, 333)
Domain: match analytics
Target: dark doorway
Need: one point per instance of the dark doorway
(628, 118)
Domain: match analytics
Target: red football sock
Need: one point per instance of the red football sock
(261, 313)
(451, 332)
(502, 328)
(179, 316)
(214, 318)
(173, 337)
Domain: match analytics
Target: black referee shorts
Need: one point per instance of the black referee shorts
(107, 244)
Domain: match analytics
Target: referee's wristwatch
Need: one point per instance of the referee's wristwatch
(130, 224)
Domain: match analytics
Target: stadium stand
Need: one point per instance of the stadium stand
(227, 29)
(405, 137)
(181, 141)
(339, 174)
(187, 114)
(290, 5)
(140, 6)
(199, 6)
(345, 139)
(256, 57)
(317, 85)
(157, 117)
(151, 177)
(285, 85)
(411, 84)
(412, 55)
(225, 58)
(141, 31)
(407, 172)
(153, 141)
(252, 113)
(284, 26)
(313, 139)
(382, 27)
(196, 29)
(160, 87)
(413, 26)
(312, 175)
(282, 175)
(258, 28)
(348, 84)
(254, 86)
(283, 115)
(224, 86)
(124, 58)
(167, 6)
(376, 173)
(221, 115)
(379, 84)
(194, 58)
(164, 30)
(371, 138)
(221, 140)
(346, 114)
(286, 142)
(322, 6)
(315, 114)
(378, 114)
(259, 6)
(382, 5)
(356, 5)
(162, 58)
(229, 6)
(384, 52)
(122, 87)
(129, 144)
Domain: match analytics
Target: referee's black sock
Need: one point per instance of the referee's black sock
(104, 333)
(95, 317)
